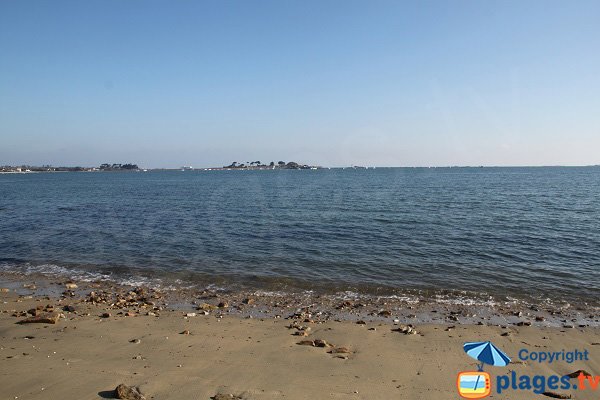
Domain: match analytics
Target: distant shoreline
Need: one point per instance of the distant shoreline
(86, 169)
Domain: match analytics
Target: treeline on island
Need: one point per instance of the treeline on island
(271, 165)
(118, 167)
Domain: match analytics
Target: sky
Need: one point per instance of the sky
(333, 83)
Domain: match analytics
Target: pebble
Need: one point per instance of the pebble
(557, 395)
(322, 343)
(50, 318)
(578, 372)
(406, 329)
(341, 349)
(136, 341)
(125, 392)
(71, 286)
(206, 307)
(222, 396)
(190, 314)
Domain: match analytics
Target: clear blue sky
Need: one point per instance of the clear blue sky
(203, 83)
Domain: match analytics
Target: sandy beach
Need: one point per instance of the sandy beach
(97, 343)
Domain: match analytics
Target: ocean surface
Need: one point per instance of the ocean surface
(508, 232)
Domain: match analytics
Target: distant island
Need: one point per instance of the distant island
(271, 165)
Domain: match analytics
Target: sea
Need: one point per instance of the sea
(524, 233)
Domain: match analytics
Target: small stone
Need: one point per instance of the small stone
(206, 307)
(222, 396)
(540, 318)
(4, 290)
(361, 322)
(34, 311)
(406, 329)
(557, 395)
(248, 301)
(190, 314)
(523, 323)
(136, 341)
(223, 304)
(306, 343)
(125, 392)
(385, 313)
(50, 318)
(69, 308)
(186, 332)
(322, 343)
(71, 286)
(578, 372)
(340, 349)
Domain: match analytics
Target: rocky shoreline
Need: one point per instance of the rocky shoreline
(75, 339)
(130, 300)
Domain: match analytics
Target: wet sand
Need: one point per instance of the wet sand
(102, 339)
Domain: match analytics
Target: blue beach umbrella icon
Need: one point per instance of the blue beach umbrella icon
(486, 353)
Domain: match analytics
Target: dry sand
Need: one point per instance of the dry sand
(86, 356)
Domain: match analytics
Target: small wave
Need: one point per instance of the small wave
(81, 275)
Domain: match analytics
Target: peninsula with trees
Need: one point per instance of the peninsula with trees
(50, 168)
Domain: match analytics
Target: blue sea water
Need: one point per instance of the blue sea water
(501, 231)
